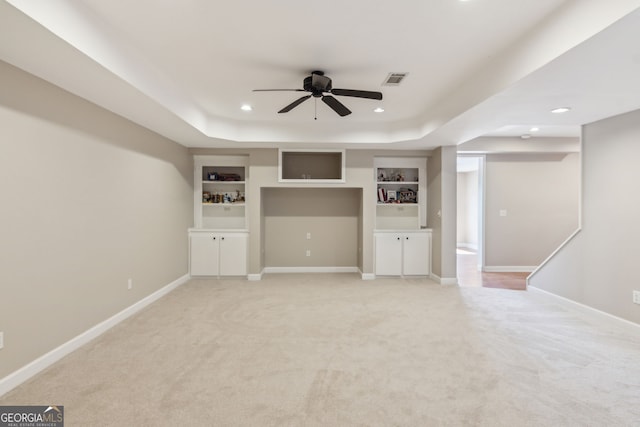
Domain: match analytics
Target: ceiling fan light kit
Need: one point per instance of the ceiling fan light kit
(320, 86)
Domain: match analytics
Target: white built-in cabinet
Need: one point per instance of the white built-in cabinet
(403, 254)
(402, 241)
(218, 243)
(218, 254)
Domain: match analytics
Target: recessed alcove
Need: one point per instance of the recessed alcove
(311, 165)
(312, 229)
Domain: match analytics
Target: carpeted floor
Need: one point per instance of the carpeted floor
(333, 350)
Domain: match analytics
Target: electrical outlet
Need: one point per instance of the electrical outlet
(636, 297)
(308, 236)
(1, 340)
(308, 252)
(130, 284)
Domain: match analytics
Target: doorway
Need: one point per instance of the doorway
(470, 230)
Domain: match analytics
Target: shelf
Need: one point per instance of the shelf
(396, 204)
(224, 204)
(398, 183)
(223, 182)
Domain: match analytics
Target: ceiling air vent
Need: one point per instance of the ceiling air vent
(394, 79)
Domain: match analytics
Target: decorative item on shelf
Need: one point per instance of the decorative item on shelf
(407, 195)
(230, 197)
(217, 176)
(229, 177)
(391, 196)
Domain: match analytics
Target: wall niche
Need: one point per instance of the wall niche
(311, 166)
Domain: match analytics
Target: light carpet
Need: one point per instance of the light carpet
(333, 350)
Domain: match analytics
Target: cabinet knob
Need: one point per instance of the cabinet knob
(222, 238)
(214, 237)
(397, 238)
(407, 238)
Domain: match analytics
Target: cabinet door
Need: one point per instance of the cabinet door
(416, 257)
(204, 254)
(388, 254)
(233, 254)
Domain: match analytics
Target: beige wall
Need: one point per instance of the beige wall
(434, 208)
(330, 216)
(539, 193)
(89, 200)
(598, 268)
(442, 212)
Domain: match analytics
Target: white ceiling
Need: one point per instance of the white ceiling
(476, 68)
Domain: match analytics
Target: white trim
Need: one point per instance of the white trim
(368, 276)
(603, 315)
(254, 277)
(444, 280)
(554, 253)
(311, 270)
(472, 246)
(26, 372)
(509, 268)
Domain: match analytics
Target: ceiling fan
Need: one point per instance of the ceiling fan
(318, 85)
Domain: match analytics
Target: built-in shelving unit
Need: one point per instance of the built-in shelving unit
(402, 241)
(401, 193)
(306, 166)
(219, 195)
(219, 240)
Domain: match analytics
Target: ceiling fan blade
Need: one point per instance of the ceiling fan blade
(336, 105)
(294, 104)
(357, 93)
(278, 90)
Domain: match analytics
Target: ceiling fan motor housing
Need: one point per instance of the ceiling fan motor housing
(317, 83)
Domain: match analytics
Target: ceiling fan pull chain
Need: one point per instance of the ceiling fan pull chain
(315, 108)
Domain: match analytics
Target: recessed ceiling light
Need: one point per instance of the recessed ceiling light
(246, 107)
(560, 110)
(379, 110)
(534, 129)
(525, 136)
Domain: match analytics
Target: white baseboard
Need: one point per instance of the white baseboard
(254, 277)
(444, 280)
(368, 276)
(23, 374)
(603, 315)
(311, 270)
(509, 268)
